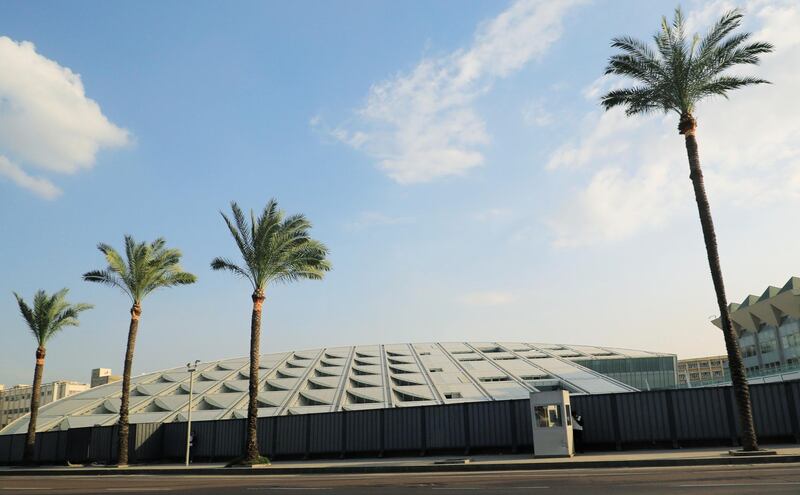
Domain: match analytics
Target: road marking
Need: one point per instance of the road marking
(25, 488)
(711, 485)
(457, 488)
(528, 487)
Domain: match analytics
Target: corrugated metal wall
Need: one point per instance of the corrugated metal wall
(674, 418)
(5, 448)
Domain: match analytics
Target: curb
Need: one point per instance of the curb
(414, 468)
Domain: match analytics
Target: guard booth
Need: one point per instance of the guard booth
(552, 424)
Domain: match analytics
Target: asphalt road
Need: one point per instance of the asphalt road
(712, 480)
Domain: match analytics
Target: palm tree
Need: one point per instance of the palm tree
(146, 267)
(49, 315)
(675, 76)
(273, 249)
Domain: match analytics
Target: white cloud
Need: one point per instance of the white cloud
(421, 125)
(617, 203)
(494, 215)
(46, 120)
(535, 114)
(38, 185)
(749, 147)
(370, 219)
(488, 298)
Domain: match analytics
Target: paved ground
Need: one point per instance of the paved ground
(711, 480)
(630, 459)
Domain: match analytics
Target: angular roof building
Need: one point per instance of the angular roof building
(364, 377)
(771, 308)
(768, 327)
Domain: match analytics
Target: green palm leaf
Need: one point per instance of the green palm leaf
(50, 314)
(681, 72)
(144, 269)
(273, 247)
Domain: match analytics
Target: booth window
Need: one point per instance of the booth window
(548, 416)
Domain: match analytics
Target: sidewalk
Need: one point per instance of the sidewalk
(644, 458)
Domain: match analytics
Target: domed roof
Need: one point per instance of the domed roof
(343, 378)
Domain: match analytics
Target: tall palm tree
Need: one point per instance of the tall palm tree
(49, 315)
(675, 76)
(273, 249)
(145, 268)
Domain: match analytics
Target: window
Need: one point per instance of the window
(495, 379)
(436, 370)
(548, 416)
(452, 395)
(402, 397)
(493, 349)
(357, 399)
(529, 378)
(768, 339)
(791, 340)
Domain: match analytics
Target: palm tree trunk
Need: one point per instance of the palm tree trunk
(30, 438)
(122, 449)
(251, 447)
(738, 377)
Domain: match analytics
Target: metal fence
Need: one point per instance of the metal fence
(667, 418)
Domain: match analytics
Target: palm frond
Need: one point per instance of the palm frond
(722, 28)
(50, 314)
(721, 85)
(677, 73)
(634, 100)
(147, 267)
(239, 231)
(107, 277)
(27, 313)
(224, 264)
(282, 249)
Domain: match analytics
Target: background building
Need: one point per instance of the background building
(768, 327)
(103, 376)
(644, 373)
(15, 402)
(363, 377)
(702, 369)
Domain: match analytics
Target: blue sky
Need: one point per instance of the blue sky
(451, 154)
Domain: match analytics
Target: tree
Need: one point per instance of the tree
(146, 267)
(49, 315)
(273, 249)
(674, 77)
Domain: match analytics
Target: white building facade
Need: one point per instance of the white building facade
(768, 327)
(15, 401)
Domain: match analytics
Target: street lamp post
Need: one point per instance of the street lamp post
(191, 368)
